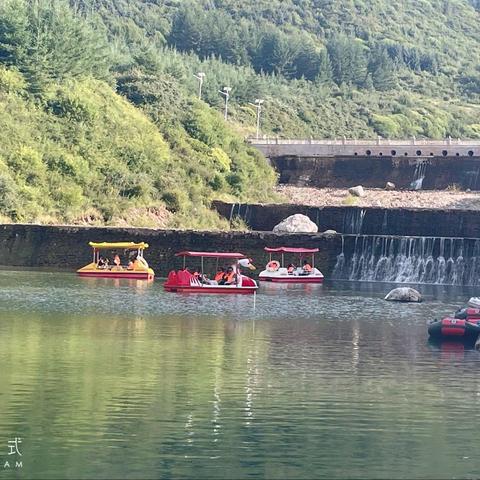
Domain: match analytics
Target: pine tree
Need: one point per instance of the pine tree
(382, 70)
(47, 42)
(325, 72)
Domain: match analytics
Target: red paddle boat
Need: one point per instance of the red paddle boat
(227, 280)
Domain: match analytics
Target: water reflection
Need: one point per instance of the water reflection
(117, 380)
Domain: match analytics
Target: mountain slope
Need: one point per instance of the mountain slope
(326, 68)
(102, 123)
(74, 150)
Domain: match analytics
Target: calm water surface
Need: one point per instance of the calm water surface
(111, 379)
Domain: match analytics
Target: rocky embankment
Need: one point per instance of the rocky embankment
(375, 197)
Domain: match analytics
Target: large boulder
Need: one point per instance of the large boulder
(357, 191)
(404, 294)
(297, 223)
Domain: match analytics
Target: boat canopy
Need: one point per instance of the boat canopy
(119, 245)
(210, 254)
(291, 250)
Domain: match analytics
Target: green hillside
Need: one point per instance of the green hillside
(101, 124)
(74, 150)
(326, 68)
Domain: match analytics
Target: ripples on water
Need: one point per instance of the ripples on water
(105, 379)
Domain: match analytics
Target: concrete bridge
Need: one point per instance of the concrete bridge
(380, 147)
(432, 164)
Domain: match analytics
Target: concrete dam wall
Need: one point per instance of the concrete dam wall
(432, 173)
(431, 164)
(66, 247)
(362, 221)
(387, 245)
(454, 261)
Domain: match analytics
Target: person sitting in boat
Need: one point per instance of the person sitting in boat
(196, 273)
(117, 262)
(306, 268)
(196, 276)
(219, 275)
(132, 262)
(291, 269)
(228, 278)
(102, 263)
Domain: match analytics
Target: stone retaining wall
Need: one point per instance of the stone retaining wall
(365, 221)
(66, 247)
(374, 171)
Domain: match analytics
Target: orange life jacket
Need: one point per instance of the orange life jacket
(219, 276)
(228, 277)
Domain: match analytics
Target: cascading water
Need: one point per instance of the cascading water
(449, 261)
(471, 180)
(419, 176)
(353, 221)
(239, 214)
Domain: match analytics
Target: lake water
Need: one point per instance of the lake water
(105, 379)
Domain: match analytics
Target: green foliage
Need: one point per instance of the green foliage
(46, 41)
(324, 69)
(71, 149)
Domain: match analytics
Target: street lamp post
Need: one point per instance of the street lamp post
(199, 76)
(258, 107)
(226, 93)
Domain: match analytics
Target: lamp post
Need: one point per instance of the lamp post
(258, 107)
(226, 93)
(199, 76)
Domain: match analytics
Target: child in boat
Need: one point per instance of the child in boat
(291, 269)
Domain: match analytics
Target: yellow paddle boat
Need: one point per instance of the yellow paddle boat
(118, 260)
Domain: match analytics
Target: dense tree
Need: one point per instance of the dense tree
(78, 150)
(349, 62)
(382, 70)
(46, 41)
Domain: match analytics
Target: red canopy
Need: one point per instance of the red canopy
(210, 254)
(291, 250)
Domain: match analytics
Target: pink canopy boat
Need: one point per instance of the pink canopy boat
(277, 271)
(191, 281)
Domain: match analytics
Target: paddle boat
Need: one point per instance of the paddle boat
(276, 271)
(135, 266)
(464, 325)
(227, 280)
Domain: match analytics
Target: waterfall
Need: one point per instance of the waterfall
(472, 178)
(239, 213)
(448, 261)
(353, 221)
(385, 221)
(232, 211)
(419, 175)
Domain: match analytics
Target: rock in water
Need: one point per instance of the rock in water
(357, 191)
(404, 294)
(297, 223)
(390, 186)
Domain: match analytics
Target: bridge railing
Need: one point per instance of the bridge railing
(377, 141)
